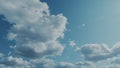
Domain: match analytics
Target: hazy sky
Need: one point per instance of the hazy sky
(59, 33)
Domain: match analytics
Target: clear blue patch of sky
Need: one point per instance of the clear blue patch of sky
(4, 29)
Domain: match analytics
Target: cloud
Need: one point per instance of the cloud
(34, 29)
(72, 43)
(96, 52)
(10, 62)
(85, 64)
(42, 63)
(65, 65)
(75, 65)
(36, 50)
(48, 63)
(115, 63)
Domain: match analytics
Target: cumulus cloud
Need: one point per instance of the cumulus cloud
(48, 63)
(36, 50)
(34, 29)
(42, 63)
(75, 65)
(72, 43)
(65, 65)
(115, 63)
(10, 62)
(85, 65)
(97, 52)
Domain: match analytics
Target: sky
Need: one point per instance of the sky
(59, 34)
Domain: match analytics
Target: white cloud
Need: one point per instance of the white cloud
(96, 52)
(72, 43)
(85, 65)
(10, 62)
(34, 29)
(36, 50)
(65, 65)
(75, 65)
(42, 63)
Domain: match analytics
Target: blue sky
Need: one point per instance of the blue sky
(101, 19)
(60, 33)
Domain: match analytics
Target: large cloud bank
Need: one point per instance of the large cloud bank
(34, 29)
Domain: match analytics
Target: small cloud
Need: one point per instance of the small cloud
(65, 65)
(72, 43)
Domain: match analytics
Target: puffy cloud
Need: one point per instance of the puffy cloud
(65, 65)
(85, 65)
(116, 49)
(96, 52)
(35, 50)
(76, 65)
(115, 63)
(72, 43)
(48, 63)
(34, 29)
(42, 63)
(11, 62)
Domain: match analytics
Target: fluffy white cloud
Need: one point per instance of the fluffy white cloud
(10, 62)
(34, 29)
(76, 65)
(116, 49)
(47, 63)
(115, 62)
(72, 43)
(65, 65)
(42, 63)
(96, 52)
